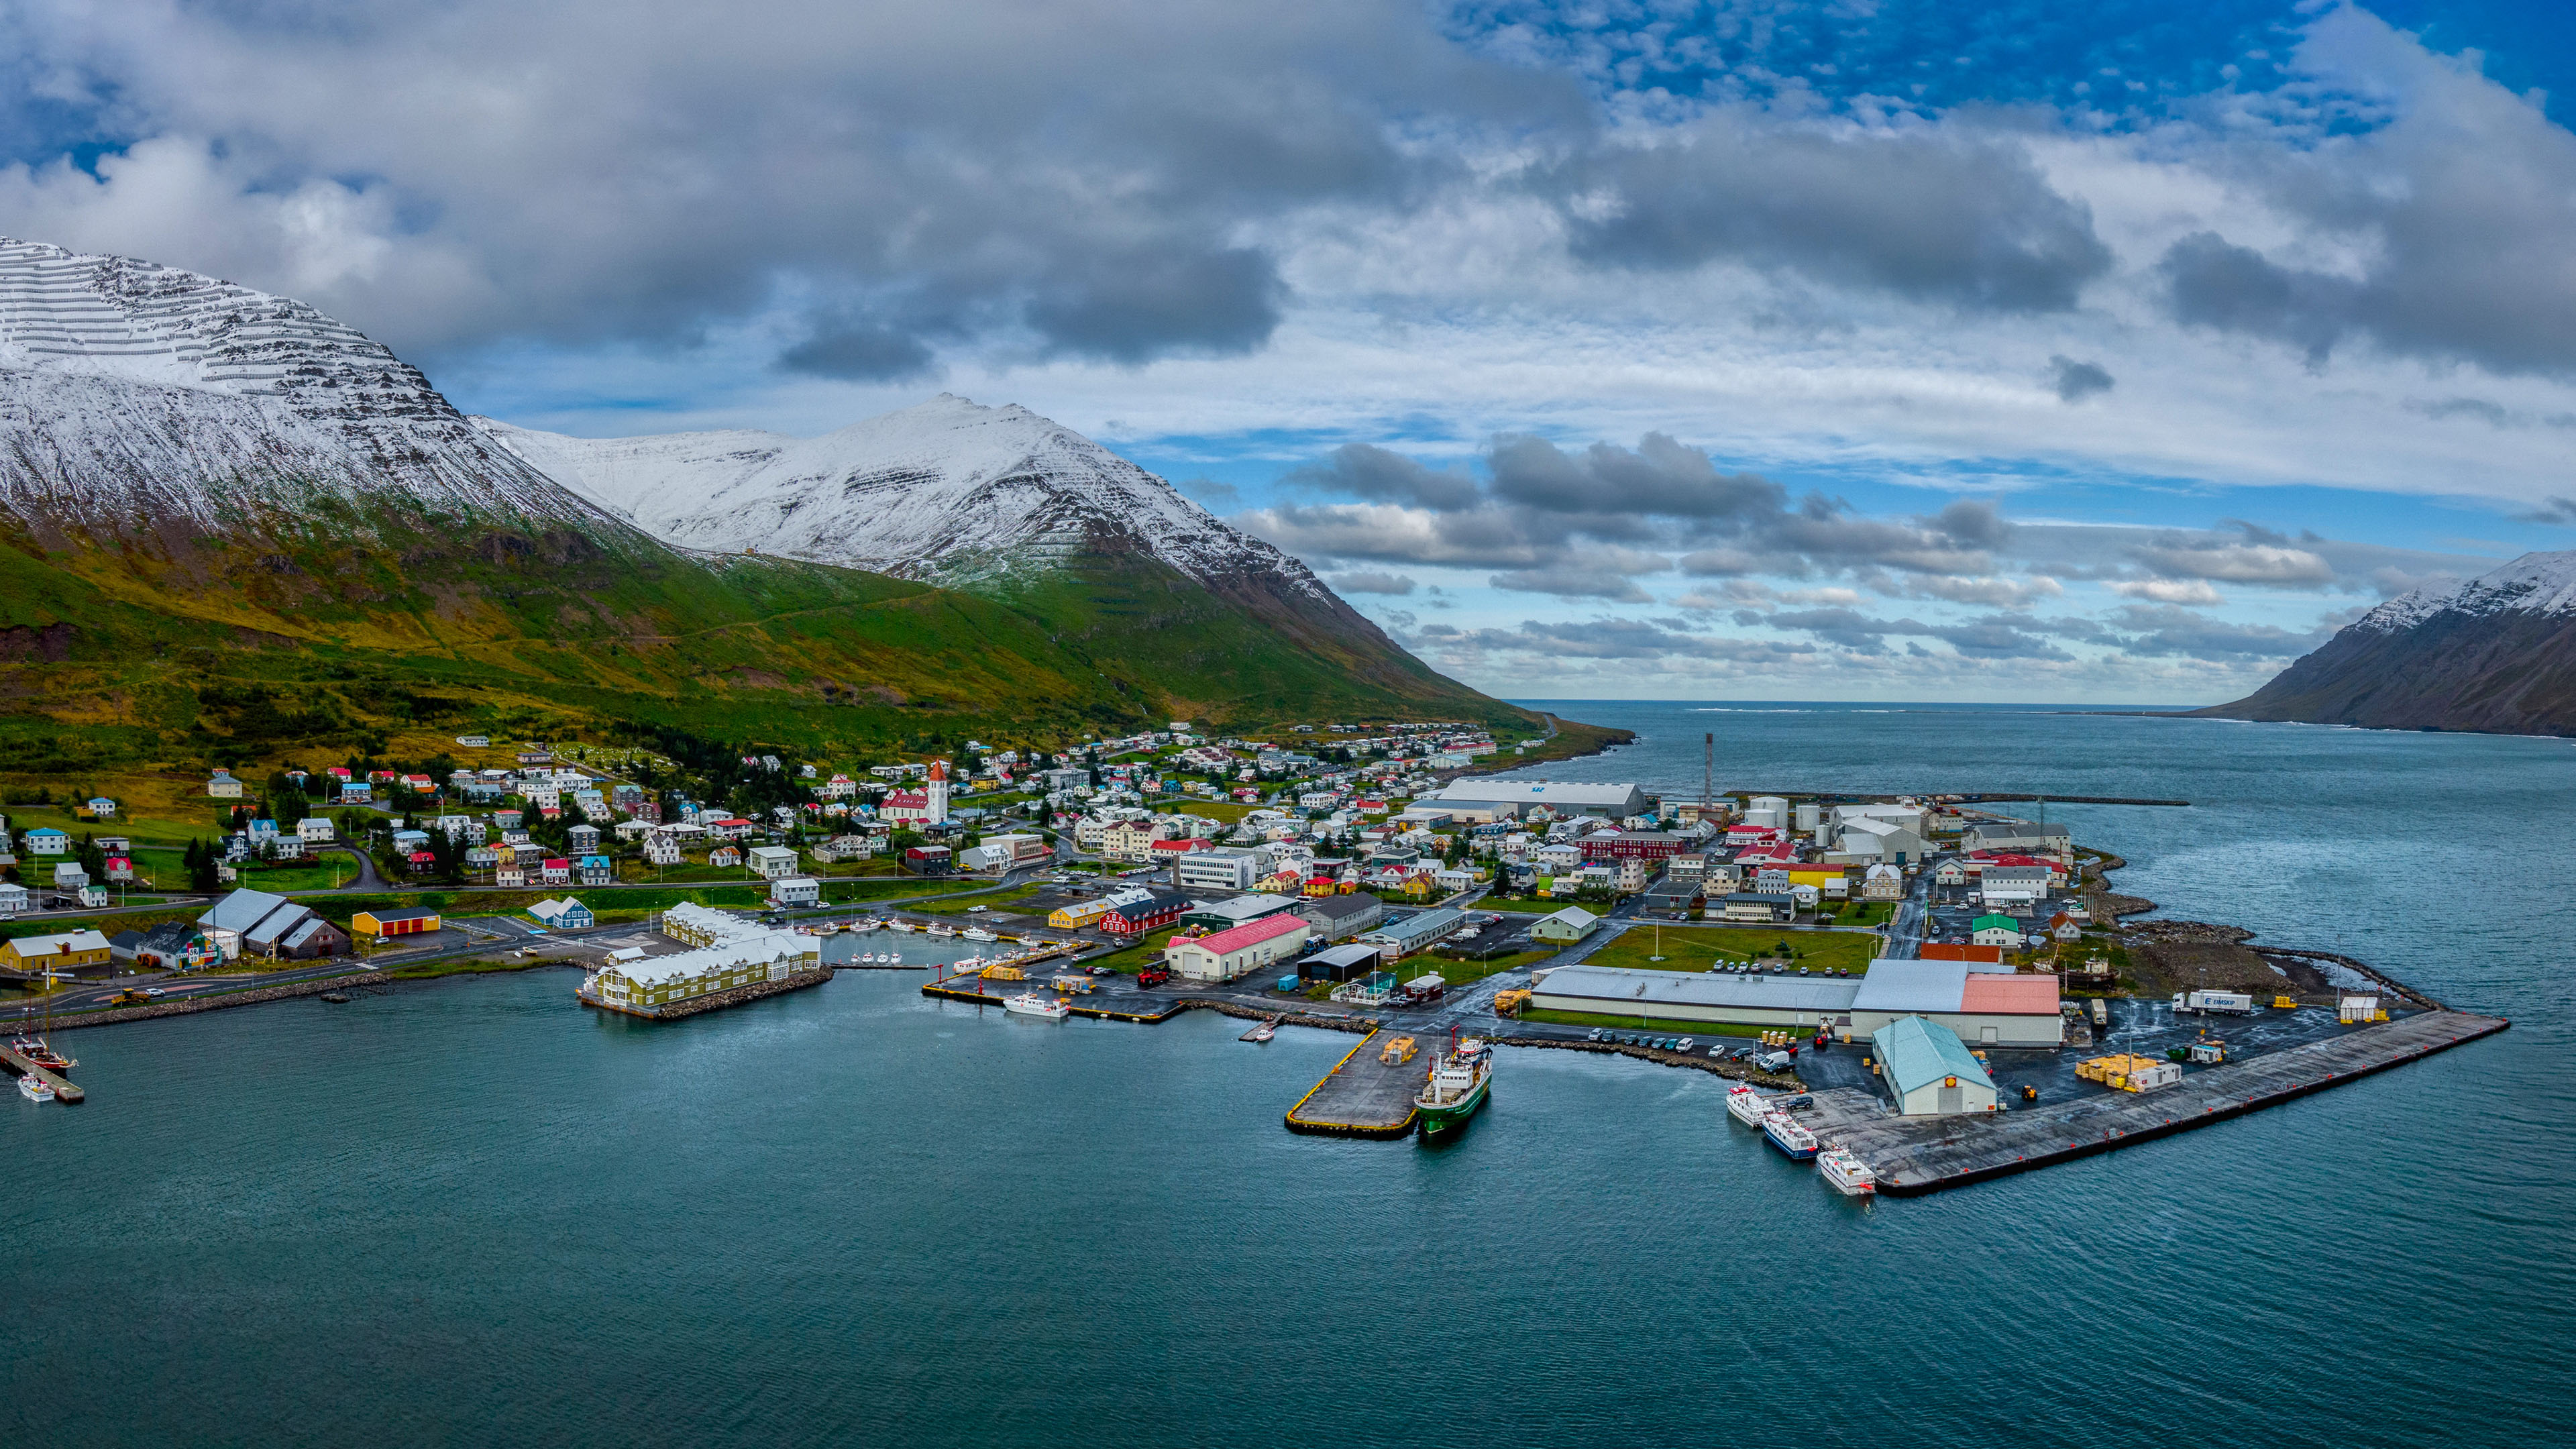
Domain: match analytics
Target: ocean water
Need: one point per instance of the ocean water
(472, 1212)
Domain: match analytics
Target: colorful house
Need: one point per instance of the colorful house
(385, 924)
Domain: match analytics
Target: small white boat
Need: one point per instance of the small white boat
(1790, 1136)
(1031, 1003)
(1747, 1106)
(1848, 1174)
(898, 925)
(35, 1089)
(978, 933)
(939, 930)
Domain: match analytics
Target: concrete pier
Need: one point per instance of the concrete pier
(1916, 1155)
(64, 1091)
(1363, 1096)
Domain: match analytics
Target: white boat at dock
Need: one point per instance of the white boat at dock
(1031, 1003)
(898, 925)
(936, 930)
(978, 933)
(1847, 1174)
(1789, 1135)
(35, 1088)
(1747, 1106)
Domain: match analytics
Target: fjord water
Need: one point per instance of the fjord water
(470, 1211)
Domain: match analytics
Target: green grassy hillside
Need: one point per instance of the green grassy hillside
(337, 625)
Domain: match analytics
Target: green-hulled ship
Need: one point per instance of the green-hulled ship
(1455, 1089)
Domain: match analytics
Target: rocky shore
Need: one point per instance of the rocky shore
(189, 1006)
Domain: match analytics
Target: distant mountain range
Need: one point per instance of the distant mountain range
(201, 483)
(2496, 653)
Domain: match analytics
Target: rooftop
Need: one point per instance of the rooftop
(1915, 1053)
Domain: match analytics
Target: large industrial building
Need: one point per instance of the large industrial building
(1993, 1009)
(1483, 799)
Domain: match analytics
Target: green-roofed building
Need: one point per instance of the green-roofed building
(1995, 930)
(1929, 1071)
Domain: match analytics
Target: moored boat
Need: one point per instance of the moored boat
(1793, 1139)
(35, 1049)
(1031, 1003)
(35, 1089)
(1847, 1174)
(1457, 1087)
(1747, 1106)
(978, 933)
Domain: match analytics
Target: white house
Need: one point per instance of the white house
(13, 899)
(661, 848)
(223, 786)
(563, 915)
(45, 840)
(315, 829)
(773, 862)
(796, 890)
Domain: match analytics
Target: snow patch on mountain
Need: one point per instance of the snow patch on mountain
(947, 491)
(131, 391)
(2536, 583)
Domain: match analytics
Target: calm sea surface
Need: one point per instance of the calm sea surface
(472, 1212)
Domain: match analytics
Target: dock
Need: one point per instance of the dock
(1917, 1155)
(1363, 1096)
(64, 1091)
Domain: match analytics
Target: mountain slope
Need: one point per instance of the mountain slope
(1004, 503)
(211, 493)
(2496, 653)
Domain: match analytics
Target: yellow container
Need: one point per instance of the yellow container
(1005, 973)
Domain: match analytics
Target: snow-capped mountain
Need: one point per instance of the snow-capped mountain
(946, 491)
(138, 394)
(2536, 583)
(2493, 653)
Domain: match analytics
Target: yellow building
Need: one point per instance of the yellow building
(67, 951)
(644, 987)
(1815, 875)
(1078, 915)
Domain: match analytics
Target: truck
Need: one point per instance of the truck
(1153, 976)
(2225, 1003)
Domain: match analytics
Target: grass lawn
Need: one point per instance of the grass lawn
(995, 901)
(1696, 948)
(1459, 973)
(1702, 1029)
(1864, 913)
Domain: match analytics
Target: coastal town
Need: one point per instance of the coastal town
(1862, 968)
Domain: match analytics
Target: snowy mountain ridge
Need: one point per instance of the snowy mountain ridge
(946, 491)
(2535, 583)
(133, 390)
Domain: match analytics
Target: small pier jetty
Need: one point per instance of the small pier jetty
(1916, 1155)
(1369, 1093)
(64, 1091)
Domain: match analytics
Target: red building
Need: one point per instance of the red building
(1137, 917)
(1631, 845)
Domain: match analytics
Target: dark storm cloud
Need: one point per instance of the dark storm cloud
(1586, 523)
(1931, 217)
(2556, 510)
(860, 352)
(2075, 381)
(1359, 470)
(1139, 306)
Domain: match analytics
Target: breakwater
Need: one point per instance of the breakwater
(189, 1006)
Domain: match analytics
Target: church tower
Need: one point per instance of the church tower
(936, 788)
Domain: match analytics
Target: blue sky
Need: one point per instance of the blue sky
(1747, 349)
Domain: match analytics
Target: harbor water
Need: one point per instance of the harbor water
(468, 1211)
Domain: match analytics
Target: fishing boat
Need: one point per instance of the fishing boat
(898, 925)
(1458, 1085)
(1785, 1133)
(1263, 1032)
(940, 930)
(1847, 1174)
(978, 933)
(1031, 1003)
(35, 1089)
(1747, 1106)
(34, 1049)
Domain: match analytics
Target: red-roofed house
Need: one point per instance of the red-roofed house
(1239, 951)
(1163, 852)
(1778, 853)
